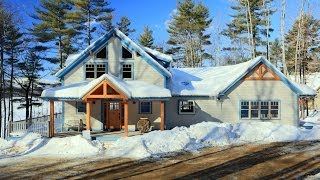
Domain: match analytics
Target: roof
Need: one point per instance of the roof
(158, 54)
(76, 59)
(217, 81)
(132, 89)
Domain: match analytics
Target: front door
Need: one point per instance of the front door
(113, 115)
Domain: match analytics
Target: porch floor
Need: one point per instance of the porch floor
(99, 135)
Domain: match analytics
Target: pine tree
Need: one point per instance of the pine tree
(309, 44)
(275, 51)
(53, 26)
(88, 11)
(187, 33)
(146, 39)
(250, 23)
(124, 26)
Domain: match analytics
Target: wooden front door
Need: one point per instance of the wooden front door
(113, 115)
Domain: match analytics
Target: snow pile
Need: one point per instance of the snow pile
(74, 146)
(207, 134)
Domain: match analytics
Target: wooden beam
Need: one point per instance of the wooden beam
(102, 96)
(51, 124)
(88, 115)
(162, 116)
(126, 130)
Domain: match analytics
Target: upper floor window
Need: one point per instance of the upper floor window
(259, 109)
(127, 71)
(186, 107)
(126, 54)
(95, 70)
(102, 53)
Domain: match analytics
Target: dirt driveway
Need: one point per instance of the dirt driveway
(276, 160)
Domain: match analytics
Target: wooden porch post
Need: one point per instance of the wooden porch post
(162, 116)
(51, 124)
(126, 118)
(88, 115)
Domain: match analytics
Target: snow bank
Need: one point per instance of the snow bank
(207, 134)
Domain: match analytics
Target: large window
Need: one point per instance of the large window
(81, 107)
(127, 71)
(186, 107)
(126, 54)
(95, 70)
(145, 107)
(259, 109)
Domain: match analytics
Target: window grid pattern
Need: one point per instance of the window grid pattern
(95, 70)
(259, 109)
(186, 107)
(90, 71)
(127, 71)
(101, 69)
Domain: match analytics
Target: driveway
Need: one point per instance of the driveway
(269, 161)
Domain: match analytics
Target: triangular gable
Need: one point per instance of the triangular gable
(262, 72)
(105, 89)
(270, 68)
(124, 40)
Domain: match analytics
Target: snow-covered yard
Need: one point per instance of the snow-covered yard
(161, 143)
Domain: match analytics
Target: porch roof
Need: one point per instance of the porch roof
(131, 89)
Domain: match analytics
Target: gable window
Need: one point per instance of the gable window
(81, 107)
(102, 54)
(95, 70)
(126, 54)
(101, 69)
(259, 109)
(89, 70)
(186, 107)
(127, 71)
(145, 107)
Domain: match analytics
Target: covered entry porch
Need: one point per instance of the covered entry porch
(114, 104)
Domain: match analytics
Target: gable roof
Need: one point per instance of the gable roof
(218, 81)
(75, 60)
(158, 55)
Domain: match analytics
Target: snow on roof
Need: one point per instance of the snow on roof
(306, 90)
(314, 80)
(158, 54)
(71, 58)
(132, 89)
(211, 81)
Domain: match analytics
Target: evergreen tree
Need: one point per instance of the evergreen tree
(309, 43)
(53, 26)
(124, 26)
(275, 51)
(146, 38)
(187, 33)
(88, 11)
(250, 23)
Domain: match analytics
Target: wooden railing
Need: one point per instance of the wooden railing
(37, 125)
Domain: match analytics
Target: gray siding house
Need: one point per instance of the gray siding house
(114, 82)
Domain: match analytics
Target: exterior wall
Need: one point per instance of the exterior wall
(134, 116)
(71, 116)
(317, 100)
(228, 110)
(142, 70)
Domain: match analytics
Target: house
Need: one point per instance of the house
(115, 82)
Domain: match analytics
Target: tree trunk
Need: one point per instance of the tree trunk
(89, 24)
(253, 49)
(60, 52)
(283, 14)
(298, 48)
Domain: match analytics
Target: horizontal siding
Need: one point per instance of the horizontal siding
(228, 109)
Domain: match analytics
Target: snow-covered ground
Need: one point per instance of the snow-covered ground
(161, 143)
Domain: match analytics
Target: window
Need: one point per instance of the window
(114, 106)
(186, 107)
(127, 71)
(102, 53)
(95, 70)
(101, 69)
(259, 109)
(126, 54)
(89, 70)
(81, 107)
(145, 107)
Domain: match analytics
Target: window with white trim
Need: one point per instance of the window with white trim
(145, 107)
(127, 71)
(102, 54)
(95, 70)
(259, 109)
(186, 107)
(81, 107)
